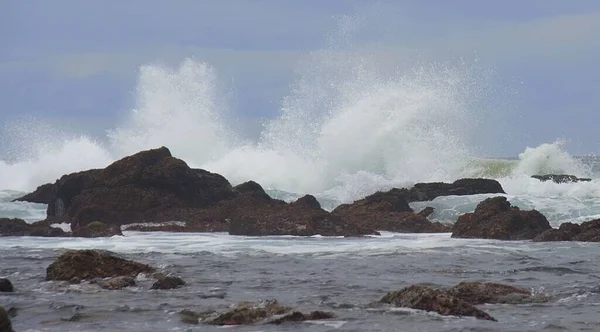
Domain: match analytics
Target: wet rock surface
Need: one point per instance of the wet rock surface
(18, 227)
(429, 299)
(480, 293)
(168, 282)
(461, 187)
(97, 229)
(495, 218)
(93, 264)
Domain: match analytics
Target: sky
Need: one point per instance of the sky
(76, 62)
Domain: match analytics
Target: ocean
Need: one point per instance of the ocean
(339, 137)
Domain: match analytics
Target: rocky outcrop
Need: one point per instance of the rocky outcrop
(43, 194)
(429, 191)
(5, 324)
(429, 299)
(168, 282)
(135, 189)
(560, 178)
(389, 211)
(588, 231)
(97, 229)
(93, 264)
(495, 218)
(152, 187)
(6, 286)
(18, 227)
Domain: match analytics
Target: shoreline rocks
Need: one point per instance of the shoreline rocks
(495, 218)
(461, 187)
(588, 231)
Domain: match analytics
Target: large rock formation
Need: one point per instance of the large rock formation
(494, 218)
(389, 211)
(588, 231)
(43, 194)
(154, 187)
(92, 264)
(429, 191)
(560, 178)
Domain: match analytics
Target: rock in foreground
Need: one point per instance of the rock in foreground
(495, 218)
(588, 231)
(429, 299)
(5, 324)
(560, 178)
(388, 211)
(92, 264)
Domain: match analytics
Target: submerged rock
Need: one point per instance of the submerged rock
(588, 231)
(245, 313)
(389, 211)
(5, 324)
(92, 264)
(6, 286)
(168, 282)
(480, 293)
(115, 283)
(495, 218)
(97, 229)
(297, 316)
(429, 299)
(560, 178)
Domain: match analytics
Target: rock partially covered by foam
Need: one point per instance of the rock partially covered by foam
(389, 211)
(495, 218)
(560, 178)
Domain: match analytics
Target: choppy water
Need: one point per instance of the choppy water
(339, 275)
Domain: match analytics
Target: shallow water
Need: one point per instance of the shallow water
(334, 274)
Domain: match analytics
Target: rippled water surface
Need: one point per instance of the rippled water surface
(334, 274)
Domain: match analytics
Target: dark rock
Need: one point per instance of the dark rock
(18, 227)
(5, 324)
(590, 231)
(245, 313)
(560, 178)
(92, 264)
(43, 194)
(187, 227)
(6, 286)
(426, 212)
(388, 211)
(138, 188)
(251, 187)
(566, 232)
(429, 299)
(480, 293)
(115, 283)
(494, 218)
(255, 215)
(308, 201)
(168, 282)
(429, 191)
(97, 229)
(297, 316)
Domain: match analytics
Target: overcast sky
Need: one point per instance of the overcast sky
(77, 61)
